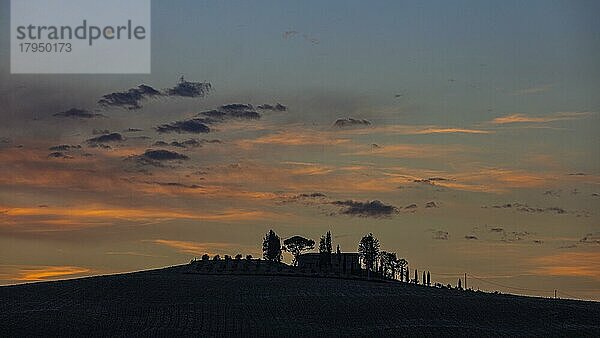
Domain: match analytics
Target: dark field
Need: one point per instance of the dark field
(171, 303)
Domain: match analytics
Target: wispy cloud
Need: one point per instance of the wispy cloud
(195, 248)
(571, 264)
(451, 131)
(404, 129)
(48, 220)
(98, 211)
(342, 135)
(410, 150)
(132, 253)
(29, 273)
(534, 90)
(524, 118)
(291, 138)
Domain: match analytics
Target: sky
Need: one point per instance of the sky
(463, 134)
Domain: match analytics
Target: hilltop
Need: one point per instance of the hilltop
(182, 300)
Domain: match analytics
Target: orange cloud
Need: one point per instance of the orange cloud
(56, 219)
(578, 264)
(97, 211)
(208, 191)
(534, 90)
(492, 180)
(332, 137)
(523, 118)
(516, 178)
(399, 129)
(411, 150)
(39, 273)
(452, 130)
(498, 180)
(195, 248)
(289, 138)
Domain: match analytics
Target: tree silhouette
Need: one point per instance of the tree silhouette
(428, 279)
(389, 264)
(383, 263)
(248, 257)
(402, 266)
(205, 257)
(325, 243)
(416, 277)
(368, 248)
(272, 247)
(424, 278)
(238, 256)
(459, 284)
(393, 262)
(296, 244)
(325, 249)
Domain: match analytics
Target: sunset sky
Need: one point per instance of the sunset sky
(488, 109)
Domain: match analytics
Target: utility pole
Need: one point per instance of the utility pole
(465, 280)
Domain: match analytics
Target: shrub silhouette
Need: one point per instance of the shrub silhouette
(205, 257)
(216, 258)
(238, 257)
(272, 247)
(248, 257)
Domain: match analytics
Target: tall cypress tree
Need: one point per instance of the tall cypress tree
(328, 246)
(325, 251)
(272, 247)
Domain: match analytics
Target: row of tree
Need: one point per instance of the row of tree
(238, 257)
(387, 264)
(295, 245)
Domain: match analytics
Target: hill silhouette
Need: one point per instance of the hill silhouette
(187, 300)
